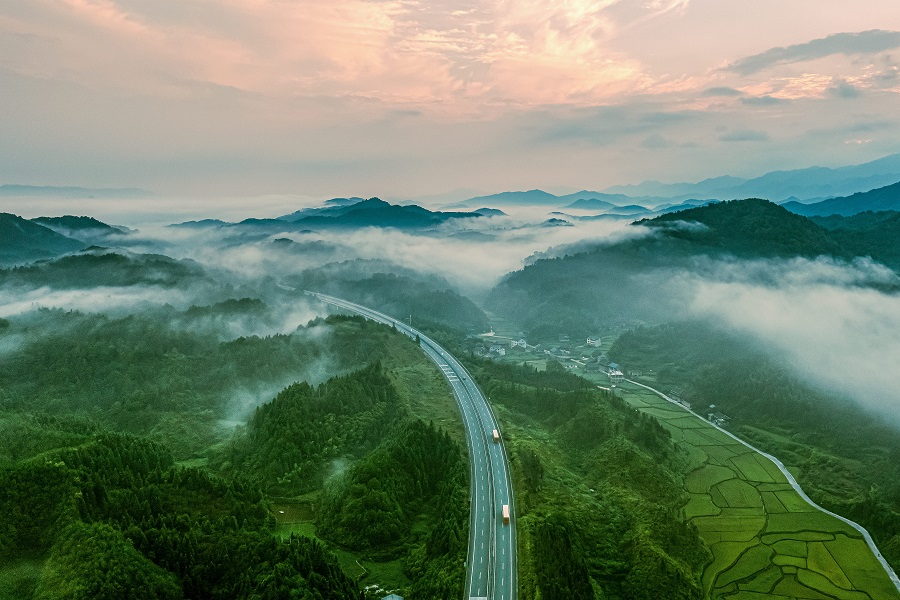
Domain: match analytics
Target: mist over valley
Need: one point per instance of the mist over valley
(484, 300)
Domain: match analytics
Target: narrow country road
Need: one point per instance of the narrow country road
(491, 568)
(792, 481)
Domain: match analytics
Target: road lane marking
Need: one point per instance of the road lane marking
(474, 409)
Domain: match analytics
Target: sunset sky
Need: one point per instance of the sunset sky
(402, 98)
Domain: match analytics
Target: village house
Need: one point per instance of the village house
(614, 372)
(718, 418)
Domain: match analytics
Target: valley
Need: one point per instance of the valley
(201, 376)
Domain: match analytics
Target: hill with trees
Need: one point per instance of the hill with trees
(22, 241)
(631, 281)
(873, 234)
(395, 291)
(98, 268)
(289, 441)
(885, 198)
(113, 515)
(85, 229)
(750, 228)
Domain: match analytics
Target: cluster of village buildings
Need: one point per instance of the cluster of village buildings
(597, 363)
(563, 352)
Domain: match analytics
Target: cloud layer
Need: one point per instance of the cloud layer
(865, 42)
(401, 98)
(820, 316)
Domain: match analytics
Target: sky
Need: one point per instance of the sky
(407, 99)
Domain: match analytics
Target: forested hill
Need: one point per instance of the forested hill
(748, 228)
(289, 441)
(22, 240)
(398, 292)
(97, 267)
(868, 233)
(394, 487)
(113, 516)
(632, 280)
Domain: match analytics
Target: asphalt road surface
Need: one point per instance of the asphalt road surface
(491, 566)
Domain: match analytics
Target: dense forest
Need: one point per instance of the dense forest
(82, 397)
(398, 471)
(597, 486)
(112, 516)
(153, 375)
(289, 441)
(869, 233)
(418, 473)
(636, 280)
(847, 458)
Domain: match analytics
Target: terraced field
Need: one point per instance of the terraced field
(767, 541)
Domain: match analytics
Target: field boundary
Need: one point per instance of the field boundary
(790, 478)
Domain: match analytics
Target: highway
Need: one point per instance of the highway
(491, 566)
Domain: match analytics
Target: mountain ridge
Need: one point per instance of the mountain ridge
(23, 241)
(885, 198)
(807, 183)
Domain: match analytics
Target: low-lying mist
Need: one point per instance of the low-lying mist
(837, 323)
(828, 320)
(115, 300)
(472, 254)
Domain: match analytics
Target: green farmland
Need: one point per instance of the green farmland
(767, 542)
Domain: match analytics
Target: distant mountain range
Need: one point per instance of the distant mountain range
(881, 199)
(585, 200)
(591, 204)
(778, 186)
(13, 190)
(347, 213)
(800, 186)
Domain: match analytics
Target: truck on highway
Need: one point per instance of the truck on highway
(506, 514)
(496, 437)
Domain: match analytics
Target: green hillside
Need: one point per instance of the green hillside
(22, 241)
(868, 233)
(751, 228)
(630, 282)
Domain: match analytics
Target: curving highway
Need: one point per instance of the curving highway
(491, 567)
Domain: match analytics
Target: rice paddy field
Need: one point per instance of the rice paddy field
(766, 540)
